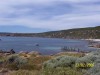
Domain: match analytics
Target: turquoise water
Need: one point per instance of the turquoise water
(46, 45)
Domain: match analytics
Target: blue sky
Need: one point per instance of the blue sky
(48, 15)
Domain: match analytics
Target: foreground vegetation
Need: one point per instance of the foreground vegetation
(60, 64)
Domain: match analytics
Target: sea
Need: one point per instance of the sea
(45, 46)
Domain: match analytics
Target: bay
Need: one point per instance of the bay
(46, 46)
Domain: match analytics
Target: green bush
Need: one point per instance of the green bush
(15, 62)
(61, 61)
(87, 59)
(1, 61)
(11, 58)
(97, 73)
(20, 61)
(97, 52)
(96, 57)
(61, 71)
(95, 70)
(27, 66)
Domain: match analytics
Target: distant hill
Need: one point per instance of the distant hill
(79, 33)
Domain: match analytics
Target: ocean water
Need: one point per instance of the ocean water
(46, 46)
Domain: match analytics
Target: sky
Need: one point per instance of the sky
(34, 16)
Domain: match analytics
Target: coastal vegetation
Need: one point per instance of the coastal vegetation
(64, 63)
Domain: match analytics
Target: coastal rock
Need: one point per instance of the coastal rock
(12, 51)
(96, 45)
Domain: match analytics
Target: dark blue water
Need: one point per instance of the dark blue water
(46, 45)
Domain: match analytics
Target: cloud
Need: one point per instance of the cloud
(50, 14)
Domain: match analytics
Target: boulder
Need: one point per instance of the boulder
(12, 51)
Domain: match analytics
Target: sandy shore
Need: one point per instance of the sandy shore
(98, 40)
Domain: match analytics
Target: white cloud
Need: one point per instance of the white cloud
(83, 14)
(58, 22)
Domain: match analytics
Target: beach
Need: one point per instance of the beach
(97, 40)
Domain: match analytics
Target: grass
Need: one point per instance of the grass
(61, 71)
(25, 72)
(75, 54)
(38, 61)
(56, 71)
(41, 59)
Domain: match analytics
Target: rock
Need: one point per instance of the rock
(1, 51)
(36, 44)
(12, 51)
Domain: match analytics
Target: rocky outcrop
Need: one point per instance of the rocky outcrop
(5, 53)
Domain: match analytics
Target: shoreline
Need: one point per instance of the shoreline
(94, 47)
(96, 40)
(94, 43)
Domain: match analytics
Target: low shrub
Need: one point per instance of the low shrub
(97, 52)
(95, 70)
(87, 59)
(61, 71)
(61, 61)
(27, 66)
(40, 59)
(1, 61)
(14, 62)
(95, 57)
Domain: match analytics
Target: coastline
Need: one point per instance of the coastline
(94, 43)
(94, 47)
(96, 40)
